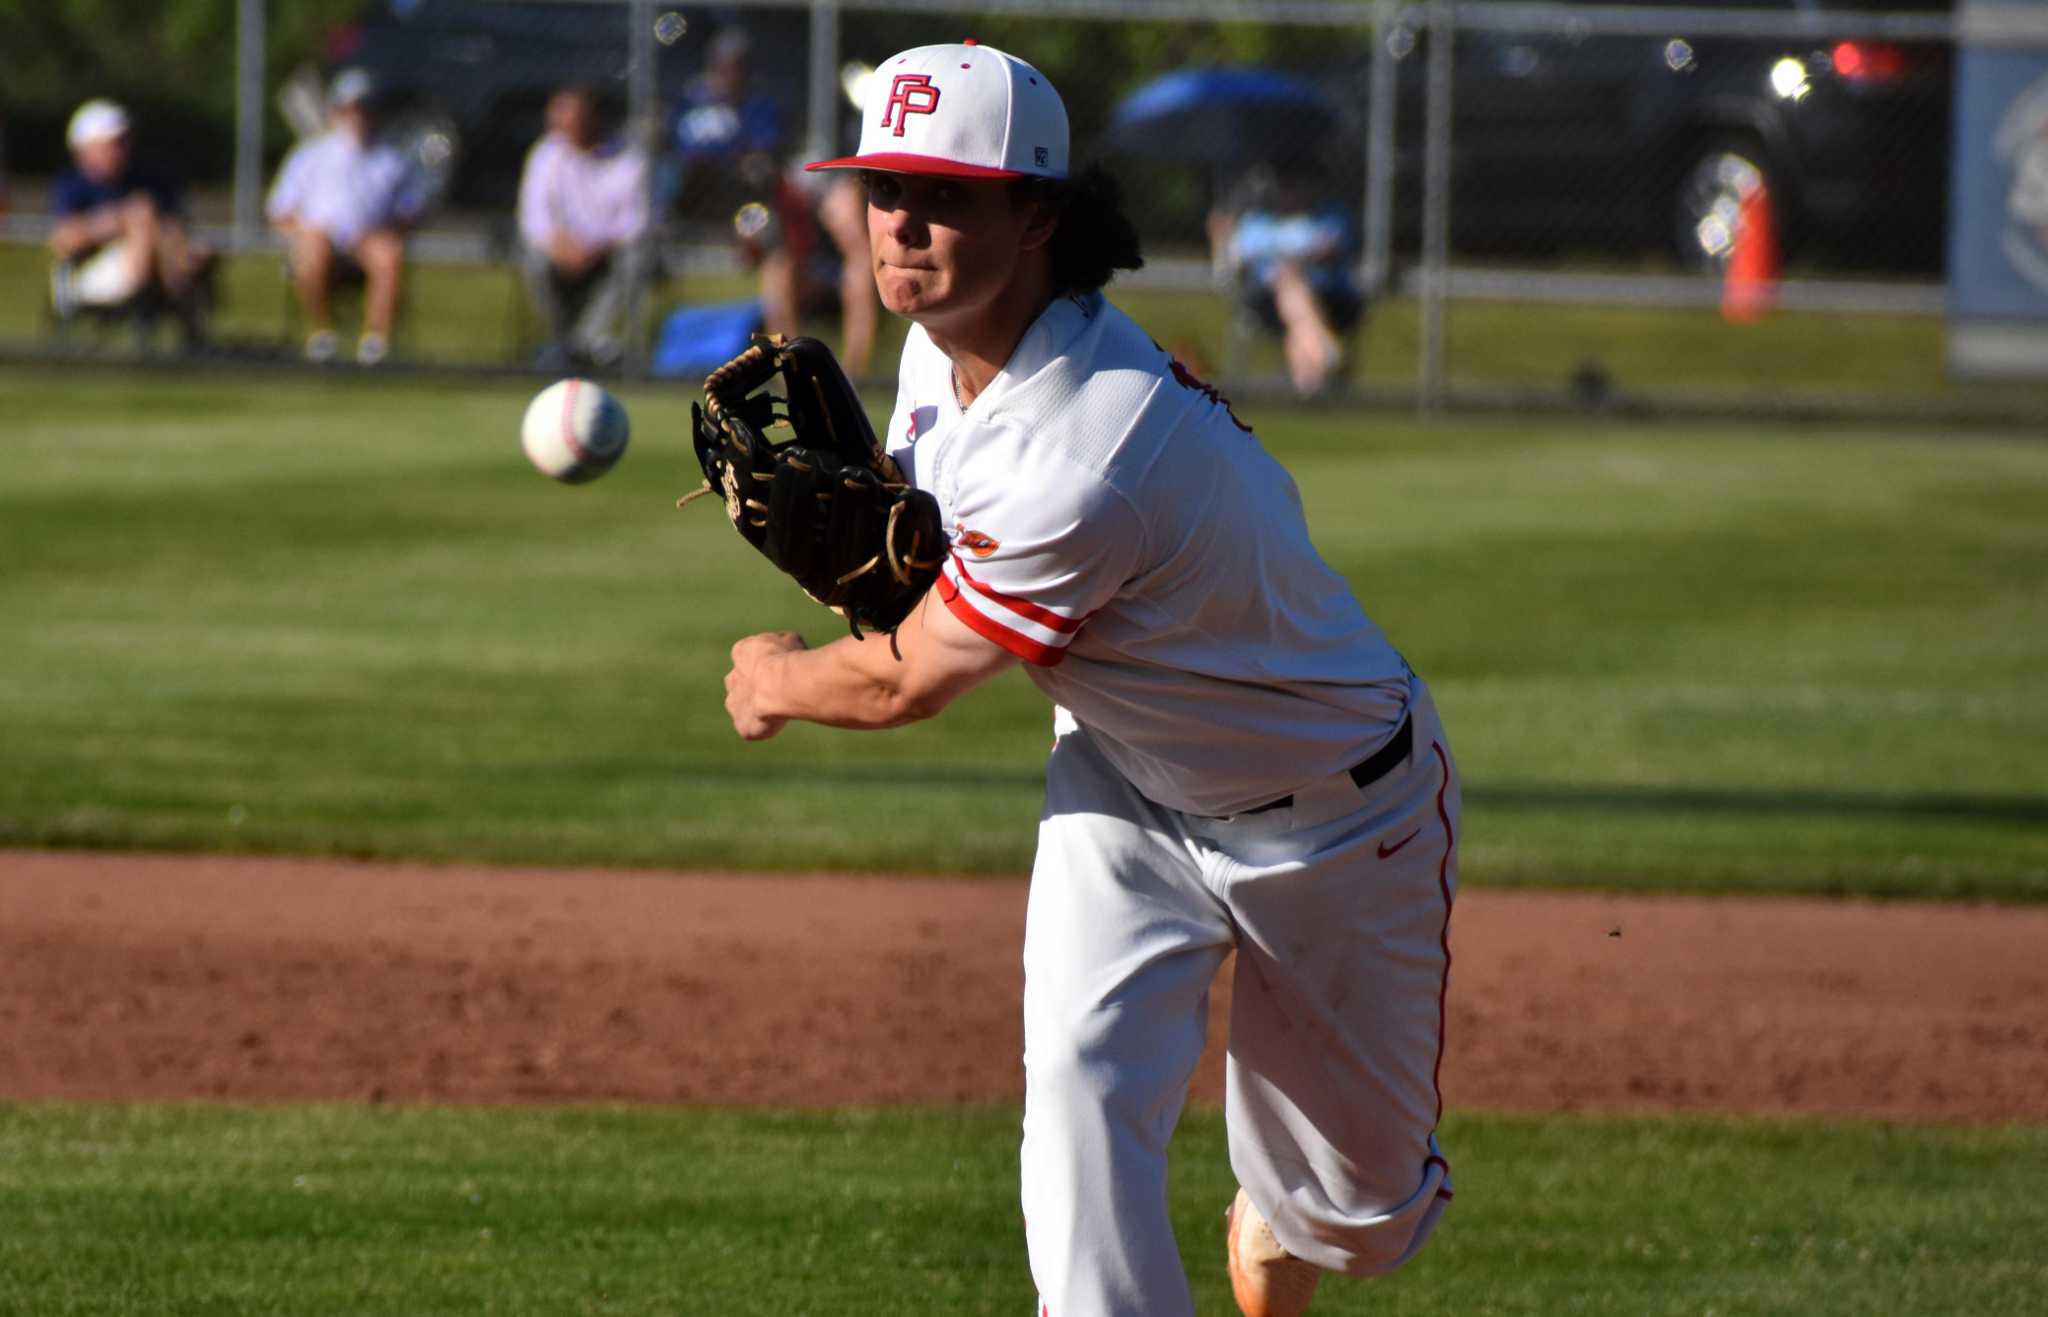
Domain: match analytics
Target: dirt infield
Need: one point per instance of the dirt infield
(261, 979)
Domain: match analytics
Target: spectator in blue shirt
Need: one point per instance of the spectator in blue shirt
(344, 202)
(121, 230)
(1295, 259)
(725, 137)
(808, 236)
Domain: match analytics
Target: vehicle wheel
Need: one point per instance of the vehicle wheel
(1706, 196)
(429, 138)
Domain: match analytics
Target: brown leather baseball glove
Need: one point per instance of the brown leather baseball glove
(827, 504)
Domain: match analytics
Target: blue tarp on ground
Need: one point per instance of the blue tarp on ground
(696, 340)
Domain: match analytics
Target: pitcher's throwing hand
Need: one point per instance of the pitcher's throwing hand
(743, 685)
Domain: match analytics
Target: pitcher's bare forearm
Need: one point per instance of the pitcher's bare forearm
(862, 685)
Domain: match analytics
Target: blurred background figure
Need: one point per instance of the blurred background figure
(811, 245)
(343, 203)
(725, 137)
(805, 234)
(1293, 257)
(582, 213)
(121, 239)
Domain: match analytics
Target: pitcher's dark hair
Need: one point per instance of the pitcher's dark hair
(1095, 238)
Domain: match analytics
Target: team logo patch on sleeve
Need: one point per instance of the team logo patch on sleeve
(976, 543)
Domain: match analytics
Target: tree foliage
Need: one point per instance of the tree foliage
(172, 62)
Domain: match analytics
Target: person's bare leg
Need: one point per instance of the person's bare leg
(312, 261)
(179, 258)
(1310, 344)
(859, 315)
(141, 231)
(778, 293)
(844, 215)
(381, 253)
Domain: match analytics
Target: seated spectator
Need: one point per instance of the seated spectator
(582, 213)
(1295, 262)
(725, 137)
(343, 203)
(807, 235)
(121, 238)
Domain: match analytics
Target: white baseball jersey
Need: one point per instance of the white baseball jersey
(1117, 527)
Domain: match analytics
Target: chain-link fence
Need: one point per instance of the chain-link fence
(1591, 201)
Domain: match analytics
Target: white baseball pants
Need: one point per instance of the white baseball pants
(1338, 907)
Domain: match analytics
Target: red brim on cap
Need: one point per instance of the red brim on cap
(898, 162)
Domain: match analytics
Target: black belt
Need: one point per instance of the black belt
(1367, 770)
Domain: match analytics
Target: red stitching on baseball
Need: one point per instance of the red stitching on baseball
(576, 449)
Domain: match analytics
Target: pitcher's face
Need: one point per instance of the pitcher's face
(944, 249)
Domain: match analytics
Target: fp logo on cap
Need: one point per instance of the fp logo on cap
(911, 93)
(1000, 118)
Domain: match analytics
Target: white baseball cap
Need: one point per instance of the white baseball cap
(96, 121)
(960, 111)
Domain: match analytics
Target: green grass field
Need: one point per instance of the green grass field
(343, 616)
(339, 617)
(302, 1211)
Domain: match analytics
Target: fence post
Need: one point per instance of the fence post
(1436, 204)
(250, 76)
(1379, 152)
(824, 103)
(644, 115)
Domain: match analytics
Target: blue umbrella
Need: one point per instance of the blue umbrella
(1222, 117)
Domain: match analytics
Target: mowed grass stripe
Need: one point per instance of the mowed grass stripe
(345, 617)
(366, 1210)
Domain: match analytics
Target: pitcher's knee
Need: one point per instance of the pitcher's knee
(1367, 1243)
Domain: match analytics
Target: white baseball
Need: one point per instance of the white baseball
(574, 431)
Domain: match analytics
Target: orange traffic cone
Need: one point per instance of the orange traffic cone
(1750, 285)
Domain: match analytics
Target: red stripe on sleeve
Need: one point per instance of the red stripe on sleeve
(1021, 607)
(1024, 647)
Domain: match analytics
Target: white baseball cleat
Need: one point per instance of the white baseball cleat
(1265, 1278)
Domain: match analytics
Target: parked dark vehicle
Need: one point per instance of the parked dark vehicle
(1654, 139)
(464, 82)
(1568, 140)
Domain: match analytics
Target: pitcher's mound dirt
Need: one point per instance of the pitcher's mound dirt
(260, 979)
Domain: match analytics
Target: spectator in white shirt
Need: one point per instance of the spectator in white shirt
(343, 203)
(582, 212)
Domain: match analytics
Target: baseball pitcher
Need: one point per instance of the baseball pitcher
(1243, 762)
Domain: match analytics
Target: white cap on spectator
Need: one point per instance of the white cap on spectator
(960, 111)
(96, 121)
(351, 86)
